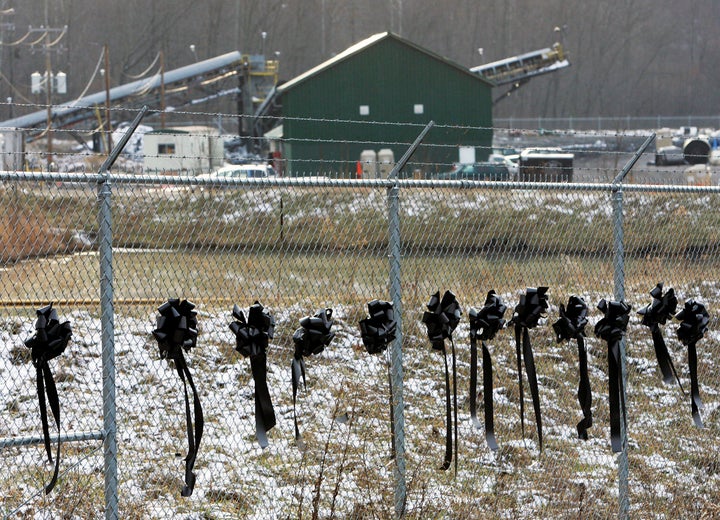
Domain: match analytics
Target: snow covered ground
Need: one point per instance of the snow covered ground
(346, 467)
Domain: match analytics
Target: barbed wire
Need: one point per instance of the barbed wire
(408, 124)
(414, 124)
(601, 154)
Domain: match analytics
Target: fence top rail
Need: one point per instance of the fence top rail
(321, 181)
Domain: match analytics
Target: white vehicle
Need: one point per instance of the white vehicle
(237, 171)
(509, 161)
(241, 171)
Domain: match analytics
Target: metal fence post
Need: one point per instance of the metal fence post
(619, 279)
(396, 357)
(107, 323)
(108, 351)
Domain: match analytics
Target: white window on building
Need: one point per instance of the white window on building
(419, 108)
(364, 110)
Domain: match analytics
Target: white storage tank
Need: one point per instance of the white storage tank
(386, 161)
(368, 163)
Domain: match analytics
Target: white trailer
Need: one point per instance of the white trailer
(193, 150)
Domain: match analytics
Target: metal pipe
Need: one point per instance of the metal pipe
(621, 176)
(408, 153)
(11, 442)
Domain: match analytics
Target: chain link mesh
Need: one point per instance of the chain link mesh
(299, 247)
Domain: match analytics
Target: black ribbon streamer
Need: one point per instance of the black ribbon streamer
(611, 329)
(484, 325)
(177, 331)
(252, 337)
(571, 325)
(657, 313)
(694, 320)
(441, 318)
(527, 314)
(377, 331)
(312, 337)
(50, 340)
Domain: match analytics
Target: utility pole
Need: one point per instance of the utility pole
(3, 27)
(51, 82)
(48, 93)
(108, 122)
(162, 89)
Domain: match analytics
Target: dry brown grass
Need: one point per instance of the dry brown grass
(26, 234)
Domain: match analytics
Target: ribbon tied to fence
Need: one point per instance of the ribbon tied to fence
(571, 325)
(529, 310)
(484, 325)
(377, 331)
(314, 334)
(50, 340)
(694, 320)
(252, 337)
(177, 332)
(611, 328)
(658, 312)
(441, 319)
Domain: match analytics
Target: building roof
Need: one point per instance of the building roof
(363, 45)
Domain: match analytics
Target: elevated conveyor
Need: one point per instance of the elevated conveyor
(521, 68)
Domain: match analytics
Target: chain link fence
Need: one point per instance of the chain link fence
(303, 245)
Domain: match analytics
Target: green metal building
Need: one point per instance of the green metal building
(379, 94)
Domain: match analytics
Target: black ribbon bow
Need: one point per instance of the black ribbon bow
(529, 310)
(571, 325)
(177, 331)
(484, 324)
(694, 321)
(657, 313)
(611, 329)
(312, 337)
(50, 340)
(441, 318)
(379, 328)
(377, 331)
(252, 337)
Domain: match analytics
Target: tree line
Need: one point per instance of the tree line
(629, 57)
